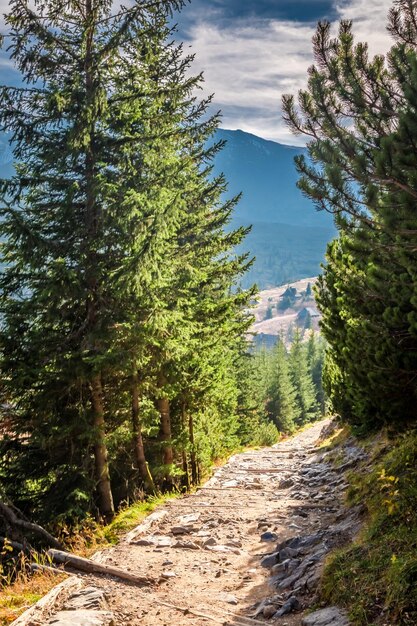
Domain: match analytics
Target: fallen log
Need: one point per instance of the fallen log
(36, 567)
(11, 519)
(91, 567)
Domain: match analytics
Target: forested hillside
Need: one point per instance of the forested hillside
(286, 384)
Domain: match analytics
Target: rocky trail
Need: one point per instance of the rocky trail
(247, 548)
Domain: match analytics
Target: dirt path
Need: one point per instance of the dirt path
(211, 551)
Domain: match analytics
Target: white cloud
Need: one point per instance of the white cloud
(249, 65)
(370, 20)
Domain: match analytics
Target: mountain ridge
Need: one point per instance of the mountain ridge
(289, 236)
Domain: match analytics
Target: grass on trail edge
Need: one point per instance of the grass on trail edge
(375, 578)
(25, 592)
(128, 518)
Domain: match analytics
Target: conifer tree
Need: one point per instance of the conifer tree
(358, 113)
(315, 356)
(282, 403)
(118, 268)
(303, 382)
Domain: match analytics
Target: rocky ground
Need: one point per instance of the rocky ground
(247, 548)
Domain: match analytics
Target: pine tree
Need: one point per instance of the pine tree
(282, 394)
(82, 214)
(315, 357)
(359, 115)
(121, 315)
(303, 382)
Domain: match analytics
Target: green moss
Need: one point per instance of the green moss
(376, 577)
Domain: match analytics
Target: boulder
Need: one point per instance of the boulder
(270, 560)
(292, 604)
(268, 536)
(331, 616)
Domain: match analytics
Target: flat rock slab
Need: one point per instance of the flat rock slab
(331, 616)
(144, 527)
(87, 598)
(40, 612)
(82, 618)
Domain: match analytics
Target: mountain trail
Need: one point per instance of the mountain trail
(247, 548)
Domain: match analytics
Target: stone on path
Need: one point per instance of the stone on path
(87, 598)
(268, 536)
(269, 611)
(228, 597)
(292, 604)
(158, 541)
(82, 618)
(331, 616)
(187, 545)
(270, 560)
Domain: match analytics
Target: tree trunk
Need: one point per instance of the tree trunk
(193, 456)
(92, 567)
(186, 476)
(92, 211)
(105, 498)
(138, 447)
(165, 434)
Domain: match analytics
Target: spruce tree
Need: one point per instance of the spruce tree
(79, 218)
(315, 357)
(121, 315)
(282, 404)
(303, 382)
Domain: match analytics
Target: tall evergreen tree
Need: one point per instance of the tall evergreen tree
(359, 115)
(303, 382)
(282, 403)
(315, 357)
(118, 268)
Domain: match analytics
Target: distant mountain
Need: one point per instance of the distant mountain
(289, 235)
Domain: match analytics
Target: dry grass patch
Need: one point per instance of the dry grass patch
(24, 593)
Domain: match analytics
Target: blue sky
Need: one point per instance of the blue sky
(303, 10)
(253, 51)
